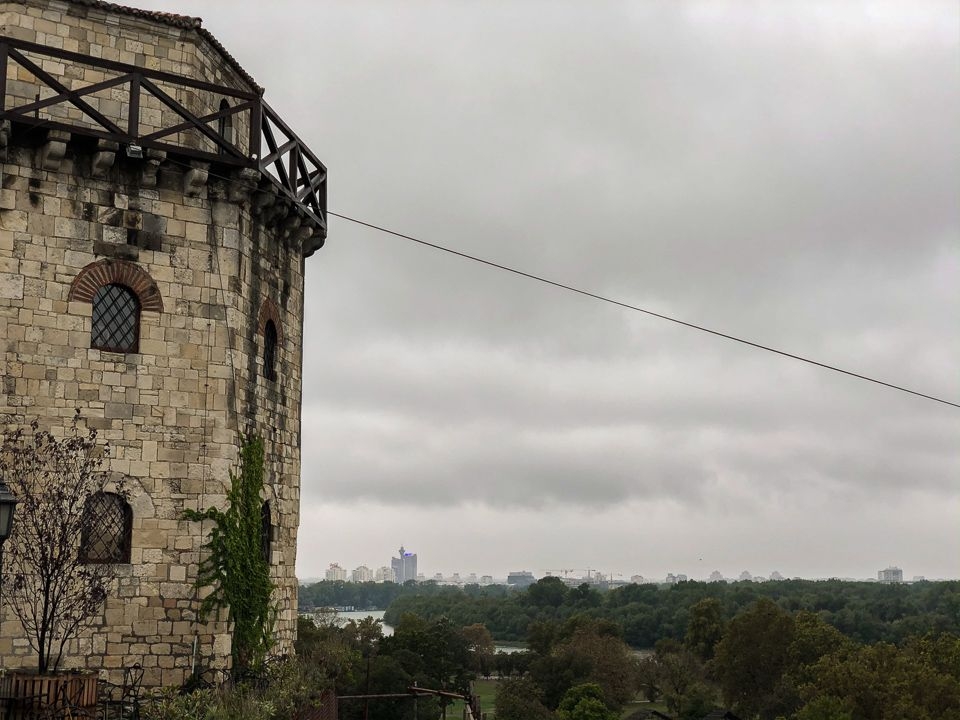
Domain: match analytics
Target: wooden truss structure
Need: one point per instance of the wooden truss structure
(242, 132)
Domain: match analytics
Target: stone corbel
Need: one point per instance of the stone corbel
(53, 150)
(290, 225)
(275, 213)
(314, 242)
(195, 178)
(150, 166)
(263, 199)
(244, 183)
(104, 157)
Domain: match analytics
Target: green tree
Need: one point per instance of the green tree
(675, 675)
(704, 628)
(547, 592)
(884, 681)
(520, 699)
(752, 657)
(480, 646)
(584, 702)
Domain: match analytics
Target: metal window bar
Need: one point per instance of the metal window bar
(116, 320)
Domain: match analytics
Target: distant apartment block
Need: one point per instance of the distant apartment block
(404, 566)
(336, 573)
(521, 579)
(890, 575)
(716, 576)
(385, 574)
(486, 579)
(362, 574)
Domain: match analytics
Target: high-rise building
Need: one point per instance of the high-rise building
(890, 575)
(336, 573)
(362, 574)
(386, 574)
(521, 579)
(404, 566)
(715, 576)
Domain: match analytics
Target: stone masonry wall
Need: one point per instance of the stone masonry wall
(175, 412)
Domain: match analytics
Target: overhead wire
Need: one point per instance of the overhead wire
(636, 308)
(618, 303)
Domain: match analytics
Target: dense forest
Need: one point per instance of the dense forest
(865, 612)
(766, 662)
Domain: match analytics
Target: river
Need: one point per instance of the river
(346, 616)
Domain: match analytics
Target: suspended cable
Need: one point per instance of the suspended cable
(628, 306)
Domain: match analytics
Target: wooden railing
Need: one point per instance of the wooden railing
(46, 87)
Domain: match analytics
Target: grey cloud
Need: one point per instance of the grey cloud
(791, 175)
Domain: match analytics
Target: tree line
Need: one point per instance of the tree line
(377, 595)
(865, 612)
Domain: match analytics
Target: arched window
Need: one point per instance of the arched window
(270, 351)
(266, 531)
(107, 528)
(116, 320)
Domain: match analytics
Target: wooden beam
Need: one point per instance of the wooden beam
(126, 68)
(52, 82)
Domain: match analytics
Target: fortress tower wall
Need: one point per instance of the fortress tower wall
(215, 258)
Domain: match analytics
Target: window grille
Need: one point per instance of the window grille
(266, 530)
(116, 320)
(270, 351)
(107, 527)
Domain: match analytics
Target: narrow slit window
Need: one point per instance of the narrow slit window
(266, 530)
(116, 320)
(270, 351)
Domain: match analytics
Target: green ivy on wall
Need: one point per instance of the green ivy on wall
(234, 566)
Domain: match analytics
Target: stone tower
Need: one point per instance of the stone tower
(155, 214)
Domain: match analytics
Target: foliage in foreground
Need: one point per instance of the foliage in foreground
(53, 591)
(234, 567)
(286, 689)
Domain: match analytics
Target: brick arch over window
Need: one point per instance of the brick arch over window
(270, 311)
(116, 272)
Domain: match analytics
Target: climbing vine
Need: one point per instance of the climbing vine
(234, 566)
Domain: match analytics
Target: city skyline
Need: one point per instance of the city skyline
(890, 573)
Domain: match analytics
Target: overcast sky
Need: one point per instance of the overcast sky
(786, 172)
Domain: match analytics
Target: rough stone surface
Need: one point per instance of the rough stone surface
(207, 271)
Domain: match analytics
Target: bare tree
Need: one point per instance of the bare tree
(53, 583)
